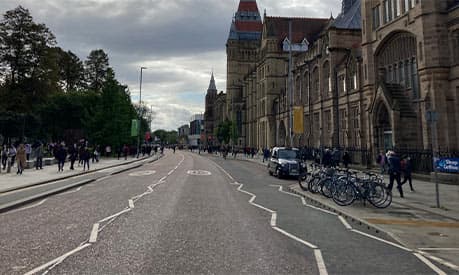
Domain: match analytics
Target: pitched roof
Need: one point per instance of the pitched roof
(247, 23)
(212, 86)
(350, 18)
(308, 28)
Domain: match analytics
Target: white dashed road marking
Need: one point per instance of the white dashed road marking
(199, 173)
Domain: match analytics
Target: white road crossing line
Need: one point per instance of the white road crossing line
(439, 249)
(131, 204)
(320, 262)
(26, 207)
(57, 260)
(115, 215)
(344, 222)
(273, 219)
(303, 201)
(163, 178)
(440, 261)
(94, 232)
(321, 209)
(150, 189)
(381, 240)
(294, 237)
(170, 172)
(288, 193)
(429, 264)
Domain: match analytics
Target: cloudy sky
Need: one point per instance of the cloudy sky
(179, 41)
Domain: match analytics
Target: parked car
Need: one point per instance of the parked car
(285, 162)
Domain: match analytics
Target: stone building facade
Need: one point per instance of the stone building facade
(215, 112)
(410, 67)
(366, 79)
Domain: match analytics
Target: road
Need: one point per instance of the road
(191, 214)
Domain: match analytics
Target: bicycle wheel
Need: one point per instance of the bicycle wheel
(327, 188)
(304, 186)
(314, 185)
(344, 194)
(379, 196)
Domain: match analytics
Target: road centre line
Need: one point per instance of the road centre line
(429, 264)
(115, 215)
(381, 240)
(57, 260)
(94, 232)
(320, 262)
(344, 222)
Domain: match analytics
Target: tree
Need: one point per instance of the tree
(23, 46)
(224, 131)
(96, 69)
(71, 71)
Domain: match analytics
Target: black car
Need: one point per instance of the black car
(285, 162)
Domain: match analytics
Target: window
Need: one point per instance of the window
(376, 20)
(396, 6)
(406, 6)
(386, 11)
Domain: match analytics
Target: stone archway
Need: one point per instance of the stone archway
(282, 134)
(383, 130)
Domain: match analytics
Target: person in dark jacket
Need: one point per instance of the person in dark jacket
(39, 156)
(346, 159)
(407, 168)
(61, 155)
(86, 157)
(73, 152)
(394, 172)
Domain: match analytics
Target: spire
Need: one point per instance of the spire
(212, 86)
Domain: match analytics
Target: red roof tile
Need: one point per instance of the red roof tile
(249, 26)
(308, 28)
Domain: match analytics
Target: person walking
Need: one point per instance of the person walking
(4, 156)
(394, 172)
(39, 156)
(407, 168)
(21, 158)
(12, 154)
(86, 157)
(346, 159)
(81, 152)
(61, 155)
(73, 153)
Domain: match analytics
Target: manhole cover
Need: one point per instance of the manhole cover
(142, 173)
(199, 173)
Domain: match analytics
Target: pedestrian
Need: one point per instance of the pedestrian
(125, 151)
(346, 159)
(4, 156)
(12, 154)
(394, 172)
(96, 154)
(407, 168)
(81, 152)
(336, 157)
(21, 158)
(28, 149)
(86, 157)
(60, 155)
(73, 155)
(39, 156)
(265, 154)
(381, 160)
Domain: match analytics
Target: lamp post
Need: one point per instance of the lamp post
(140, 112)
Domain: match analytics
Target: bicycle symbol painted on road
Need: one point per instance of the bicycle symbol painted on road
(142, 173)
(199, 173)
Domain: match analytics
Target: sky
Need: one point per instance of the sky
(179, 41)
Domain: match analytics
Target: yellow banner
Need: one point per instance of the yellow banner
(298, 125)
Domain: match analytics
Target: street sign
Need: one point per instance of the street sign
(298, 124)
(447, 165)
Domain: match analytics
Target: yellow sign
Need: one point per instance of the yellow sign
(298, 125)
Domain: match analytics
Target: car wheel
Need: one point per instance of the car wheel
(278, 173)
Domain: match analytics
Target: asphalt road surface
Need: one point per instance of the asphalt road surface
(191, 214)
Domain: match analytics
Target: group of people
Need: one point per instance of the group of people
(18, 155)
(395, 166)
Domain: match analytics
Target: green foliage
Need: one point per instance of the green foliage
(166, 137)
(47, 93)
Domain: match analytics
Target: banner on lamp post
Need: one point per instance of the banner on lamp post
(134, 127)
(298, 125)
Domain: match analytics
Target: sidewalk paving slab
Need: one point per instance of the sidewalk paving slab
(31, 177)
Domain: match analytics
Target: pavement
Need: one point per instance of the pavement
(31, 177)
(414, 221)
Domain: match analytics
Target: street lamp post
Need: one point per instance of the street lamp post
(140, 112)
